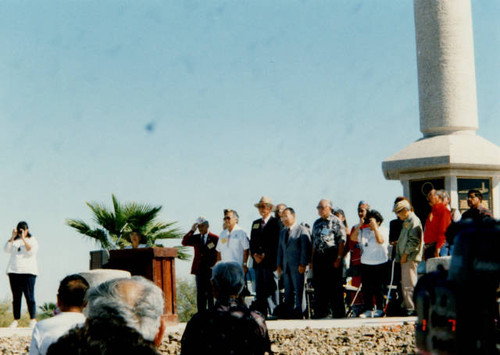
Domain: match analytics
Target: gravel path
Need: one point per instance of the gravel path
(362, 340)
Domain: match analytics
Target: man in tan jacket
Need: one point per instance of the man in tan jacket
(409, 251)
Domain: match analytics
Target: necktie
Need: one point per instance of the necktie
(262, 223)
(287, 236)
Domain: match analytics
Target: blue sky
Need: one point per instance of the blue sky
(200, 106)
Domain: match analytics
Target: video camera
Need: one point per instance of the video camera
(458, 309)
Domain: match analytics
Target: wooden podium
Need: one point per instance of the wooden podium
(156, 264)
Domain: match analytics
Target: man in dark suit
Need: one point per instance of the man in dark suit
(263, 248)
(294, 254)
(205, 257)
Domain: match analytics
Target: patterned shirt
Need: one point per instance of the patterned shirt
(328, 233)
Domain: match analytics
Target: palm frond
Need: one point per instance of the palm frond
(141, 215)
(125, 217)
(98, 235)
(182, 252)
(157, 227)
(103, 217)
(170, 234)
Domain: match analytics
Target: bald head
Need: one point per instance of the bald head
(130, 291)
(136, 301)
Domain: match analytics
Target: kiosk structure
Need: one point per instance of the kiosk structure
(449, 155)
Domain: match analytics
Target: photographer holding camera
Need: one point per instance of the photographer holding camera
(374, 242)
(22, 270)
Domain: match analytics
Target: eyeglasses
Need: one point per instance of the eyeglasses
(227, 218)
(321, 207)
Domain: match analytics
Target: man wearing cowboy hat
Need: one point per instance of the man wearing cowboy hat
(264, 239)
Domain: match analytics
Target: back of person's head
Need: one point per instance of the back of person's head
(136, 301)
(102, 337)
(228, 279)
(72, 291)
(443, 194)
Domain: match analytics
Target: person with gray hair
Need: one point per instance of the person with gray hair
(228, 280)
(436, 224)
(231, 328)
(234, 244)
(329, 239)
(124, 315)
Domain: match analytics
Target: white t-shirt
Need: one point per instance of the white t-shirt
(232, 244)
(373, 253)
(49, 330)
(21, 260)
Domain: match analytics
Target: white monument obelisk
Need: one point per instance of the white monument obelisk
(450, 149)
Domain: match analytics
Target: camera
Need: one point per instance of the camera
(458, 309)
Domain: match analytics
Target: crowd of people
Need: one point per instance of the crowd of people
(276, 258)
(281, 254)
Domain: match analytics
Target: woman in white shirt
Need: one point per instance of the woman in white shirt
(374, 243)
(22, 271)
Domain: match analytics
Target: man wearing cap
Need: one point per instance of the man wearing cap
(409, 250)
(205, 257)
(264, 239)
(328, 238)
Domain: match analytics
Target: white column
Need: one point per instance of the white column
(446, 74)
(452, 188)
(406, 188)
(495, 195)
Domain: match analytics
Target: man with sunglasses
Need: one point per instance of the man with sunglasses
(233, 242)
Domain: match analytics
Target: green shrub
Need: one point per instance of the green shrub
(5, 313)
(46, 310)
(186, 299)
(6, 316)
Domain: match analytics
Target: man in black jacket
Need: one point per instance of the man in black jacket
(264, 239)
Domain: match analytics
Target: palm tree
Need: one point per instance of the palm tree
(113, 225)
(47, 310)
